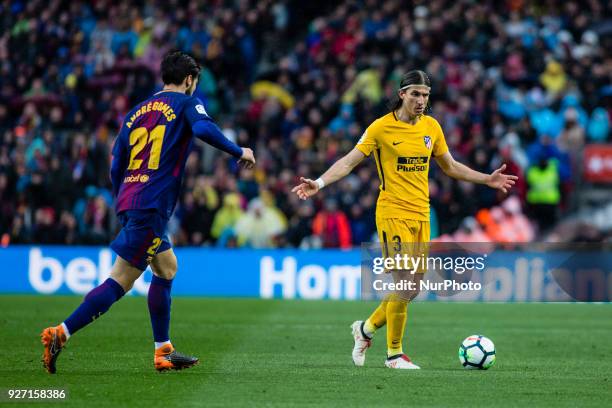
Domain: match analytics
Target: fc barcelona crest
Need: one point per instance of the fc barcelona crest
(427, 140)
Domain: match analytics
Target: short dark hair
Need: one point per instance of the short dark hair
(176, 66)
(414, 77)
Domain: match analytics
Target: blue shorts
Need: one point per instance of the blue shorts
(143, 236)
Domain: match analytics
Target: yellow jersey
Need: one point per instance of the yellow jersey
(403, 152)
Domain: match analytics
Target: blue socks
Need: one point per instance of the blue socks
(100, 299)
(96, 303)
(159, 308)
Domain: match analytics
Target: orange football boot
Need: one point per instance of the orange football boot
(53, 340)
(167, 358)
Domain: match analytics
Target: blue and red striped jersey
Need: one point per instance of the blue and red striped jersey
(151, 149)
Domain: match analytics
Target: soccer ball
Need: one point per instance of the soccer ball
(477, 351)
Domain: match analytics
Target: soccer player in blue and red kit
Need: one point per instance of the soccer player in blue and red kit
(149, 158)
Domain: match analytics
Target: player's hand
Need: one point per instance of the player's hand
(247, 159)
(306, 189)
(501, 181)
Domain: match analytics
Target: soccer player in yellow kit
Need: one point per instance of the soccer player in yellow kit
(403, 143)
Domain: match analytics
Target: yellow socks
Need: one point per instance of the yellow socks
(397, 311)
(393, 311)
(377, 319)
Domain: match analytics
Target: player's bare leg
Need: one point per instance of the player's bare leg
(125, 274)
(96, 303)
(164, 267)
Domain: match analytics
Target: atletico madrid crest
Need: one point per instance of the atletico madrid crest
(427, 141)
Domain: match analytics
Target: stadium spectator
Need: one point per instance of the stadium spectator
(332, 226)
(260, 226)
(44, 231)
(553, 79)
(300, 225)
(599, 125)
(226, 218)
(67, 230)
(198, 212)
(97, 221)
(511, 83)
(470, 231)
(544, 195)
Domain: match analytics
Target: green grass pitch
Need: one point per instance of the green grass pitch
(296, 353)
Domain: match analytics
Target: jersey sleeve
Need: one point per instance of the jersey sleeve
(203, 127)
(440, 147)
(369, 140)
(195, 111)
(210, 133)
(119, 161)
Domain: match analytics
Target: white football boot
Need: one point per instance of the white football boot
(401, 362)
(362, 343)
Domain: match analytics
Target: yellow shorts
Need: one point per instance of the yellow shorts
(403, 236)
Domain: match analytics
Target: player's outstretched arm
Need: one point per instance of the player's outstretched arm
(207, 131)
(338, 170)
(497, 180)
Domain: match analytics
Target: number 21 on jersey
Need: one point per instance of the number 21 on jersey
(139, 138)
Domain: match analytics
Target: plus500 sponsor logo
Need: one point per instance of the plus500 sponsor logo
(80, 275)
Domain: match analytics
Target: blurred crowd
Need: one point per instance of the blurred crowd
(517, 82)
